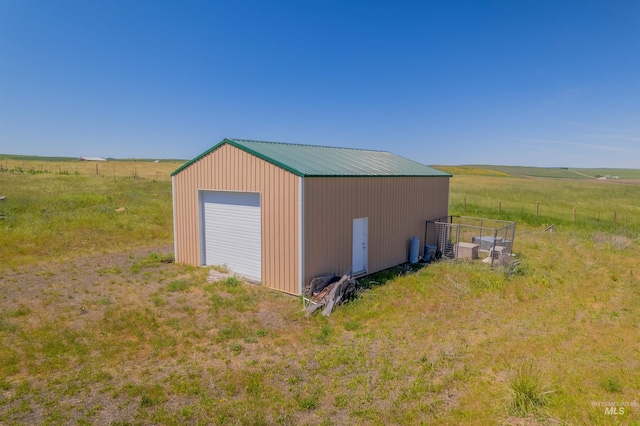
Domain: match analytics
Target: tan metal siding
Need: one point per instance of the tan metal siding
(231, 169)
(397, 208)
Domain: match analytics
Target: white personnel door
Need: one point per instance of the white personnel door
(360, 236)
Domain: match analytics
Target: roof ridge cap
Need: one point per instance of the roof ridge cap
(307, 145)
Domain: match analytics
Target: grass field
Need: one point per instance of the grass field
(54, 216)
(96, 328)
(517, 199)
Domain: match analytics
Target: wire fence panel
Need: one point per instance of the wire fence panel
(462, 237)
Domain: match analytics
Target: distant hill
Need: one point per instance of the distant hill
(58, 159)
(543, 172)
(35, 158)
(470, 170)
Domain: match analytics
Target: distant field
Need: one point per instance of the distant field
(71, 166)
(515, 198)
(470, 170)
(34, 158)
(545, 172)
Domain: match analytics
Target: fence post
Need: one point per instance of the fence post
(537, 208)
(574, 213)
(455, 254)
(96, 168)
(465, 204)
(492, 253)
(615, 214)
(500, 206)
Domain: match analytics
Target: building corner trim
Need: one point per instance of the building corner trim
(175, 222)
(300, 234)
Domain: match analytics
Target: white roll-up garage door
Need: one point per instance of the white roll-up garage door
(232, 231)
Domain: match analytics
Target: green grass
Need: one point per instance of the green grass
(178, 285)
(141, 341)
(611, 384)
(49, 216)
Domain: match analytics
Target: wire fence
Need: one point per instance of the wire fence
(549, 210)
(131, 169)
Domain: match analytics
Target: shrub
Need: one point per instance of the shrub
(611, 384)
(232, 282)
(178, 285)
(529, 394)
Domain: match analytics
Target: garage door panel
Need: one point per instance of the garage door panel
(235, 199)
(232, 231)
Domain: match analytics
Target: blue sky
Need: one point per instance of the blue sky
(539, 83)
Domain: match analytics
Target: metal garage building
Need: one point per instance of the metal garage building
(282, 214)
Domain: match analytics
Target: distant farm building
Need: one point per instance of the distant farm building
(92, 159)
(282, 214)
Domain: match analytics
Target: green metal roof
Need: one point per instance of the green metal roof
(313, 160)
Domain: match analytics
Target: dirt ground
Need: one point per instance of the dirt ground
(74, 284)
(146, 342)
